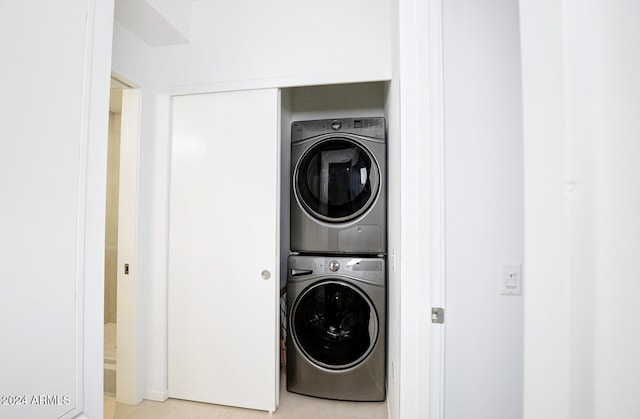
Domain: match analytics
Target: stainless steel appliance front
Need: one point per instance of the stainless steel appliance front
(338, 179)
(337, 333)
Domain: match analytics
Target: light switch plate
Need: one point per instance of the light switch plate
(511, 279)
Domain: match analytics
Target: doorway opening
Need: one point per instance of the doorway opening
(120, 368)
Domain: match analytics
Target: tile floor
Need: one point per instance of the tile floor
(110, 331)
(292, 406)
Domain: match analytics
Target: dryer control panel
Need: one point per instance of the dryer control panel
(373, 127)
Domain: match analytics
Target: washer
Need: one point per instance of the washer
(337, 334)
(338, 182)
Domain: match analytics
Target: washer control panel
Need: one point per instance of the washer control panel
(367, 269)
(371, 270)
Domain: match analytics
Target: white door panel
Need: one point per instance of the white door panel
(223, 316)
(129, 377)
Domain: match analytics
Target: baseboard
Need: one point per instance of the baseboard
(157, 396)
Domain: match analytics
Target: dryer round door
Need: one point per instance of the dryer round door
(336, 180)
(334, 324)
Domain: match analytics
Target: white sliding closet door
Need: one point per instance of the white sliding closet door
(224, 249)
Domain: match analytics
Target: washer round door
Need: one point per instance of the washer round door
(334, 324)
(336, 180)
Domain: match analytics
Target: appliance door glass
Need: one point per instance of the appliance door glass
(334, 324)
(336, 180)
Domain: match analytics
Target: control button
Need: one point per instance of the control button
(334, 265)
(336, 125)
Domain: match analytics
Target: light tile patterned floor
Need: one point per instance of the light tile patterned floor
(292, 406)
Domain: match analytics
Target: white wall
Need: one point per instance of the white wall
(293, 42)
(581, 73)
(131, 61)
(52, 180)
(616, 99)
(337, 101)
(546, 339)
(392, 111)
(484, 208)
(393, 283)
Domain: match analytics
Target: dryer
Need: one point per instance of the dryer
(337, 334)
(338, 186)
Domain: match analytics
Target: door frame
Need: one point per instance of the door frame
(422, 207)
(91, 285)
(130, 343)
(437, 146)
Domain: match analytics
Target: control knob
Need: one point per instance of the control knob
(334, 265)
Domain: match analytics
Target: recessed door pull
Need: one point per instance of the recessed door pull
(437, 315)
(300, 272)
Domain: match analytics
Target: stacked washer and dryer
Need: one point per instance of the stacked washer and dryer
(336, 288)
